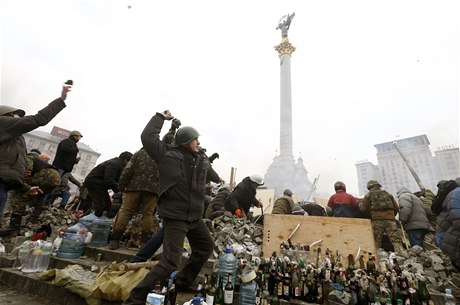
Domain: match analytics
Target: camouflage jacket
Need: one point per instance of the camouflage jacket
(140, 174)
(381, 204)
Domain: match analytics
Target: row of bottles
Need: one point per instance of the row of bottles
(276, 278)
(34, 256)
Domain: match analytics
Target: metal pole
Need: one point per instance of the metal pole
(411, 169)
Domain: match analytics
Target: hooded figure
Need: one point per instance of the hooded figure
(412, 216)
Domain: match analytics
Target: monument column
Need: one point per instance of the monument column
(284, 172)
(285, 49)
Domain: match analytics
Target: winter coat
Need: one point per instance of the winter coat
(182, 175)
(140, 174)
(344, 204)
(314, 209)
(12, 144)
(217, 206)
(411, 212)
(243, 197)
(283, 205)
(66, 154)
(448, 225)
(105, 176)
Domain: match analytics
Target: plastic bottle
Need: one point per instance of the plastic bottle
(450, 300)
(47, 249)
(100, 227)
(248, 288)
(227, 265)
(23, 252)
(154, 299)
(88, 219)
(72, 244)
(33, 259)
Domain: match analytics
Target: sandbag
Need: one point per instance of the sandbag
(115, 285)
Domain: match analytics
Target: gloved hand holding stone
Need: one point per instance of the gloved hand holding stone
(176, 123)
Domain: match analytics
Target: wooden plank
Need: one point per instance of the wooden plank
(343, 234)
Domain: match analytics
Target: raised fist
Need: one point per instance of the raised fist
(176, 123)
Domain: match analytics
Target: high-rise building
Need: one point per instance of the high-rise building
(447, 159)
(48, 143)
(393, 172)
(284, 172)
(365, 171)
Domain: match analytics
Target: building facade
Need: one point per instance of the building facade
(48, 143)
(393, 172)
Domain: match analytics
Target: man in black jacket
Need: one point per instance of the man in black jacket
(243, 196)
(66, 153)
(105, 177)
(13, 124)
(183, 171)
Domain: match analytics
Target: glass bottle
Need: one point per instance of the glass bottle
(206, 287)
(319, 287)
(211, 292)
(199, 290)
(228, 291)
(274, 300)
(423, 294)
(286, 286)
(219, 298)
(449, 298)
(265, 295)
(295, 284)
(259, 296)
(371, 291)
(370, 265)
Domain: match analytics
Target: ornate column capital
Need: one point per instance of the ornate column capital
(285, 47)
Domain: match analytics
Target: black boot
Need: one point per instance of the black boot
(115, 238)
(14, 227)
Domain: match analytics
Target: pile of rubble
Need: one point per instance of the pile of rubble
(434, 266)
(245, 237)
(56, 218)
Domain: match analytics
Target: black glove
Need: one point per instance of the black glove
(213, 157)
(176, 123)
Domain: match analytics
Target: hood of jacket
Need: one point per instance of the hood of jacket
(402, 190)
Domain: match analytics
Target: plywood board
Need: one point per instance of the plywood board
(267, 197)
(343, 234)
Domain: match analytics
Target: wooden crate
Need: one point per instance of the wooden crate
(337, 233)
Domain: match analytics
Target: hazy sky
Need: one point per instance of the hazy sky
(364, 72)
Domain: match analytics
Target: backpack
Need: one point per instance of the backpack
(380, 200)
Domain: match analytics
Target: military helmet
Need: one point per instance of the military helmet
(287, 192)
(372, 183)
(339, 185)
(4, 109)
(185, 134)
(75, 133)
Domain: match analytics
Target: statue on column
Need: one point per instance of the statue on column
(284, 24)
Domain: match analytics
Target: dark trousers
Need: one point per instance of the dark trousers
(100, 200)
(3, 199)
(151, 247)
(416, 237)
(202, 246)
